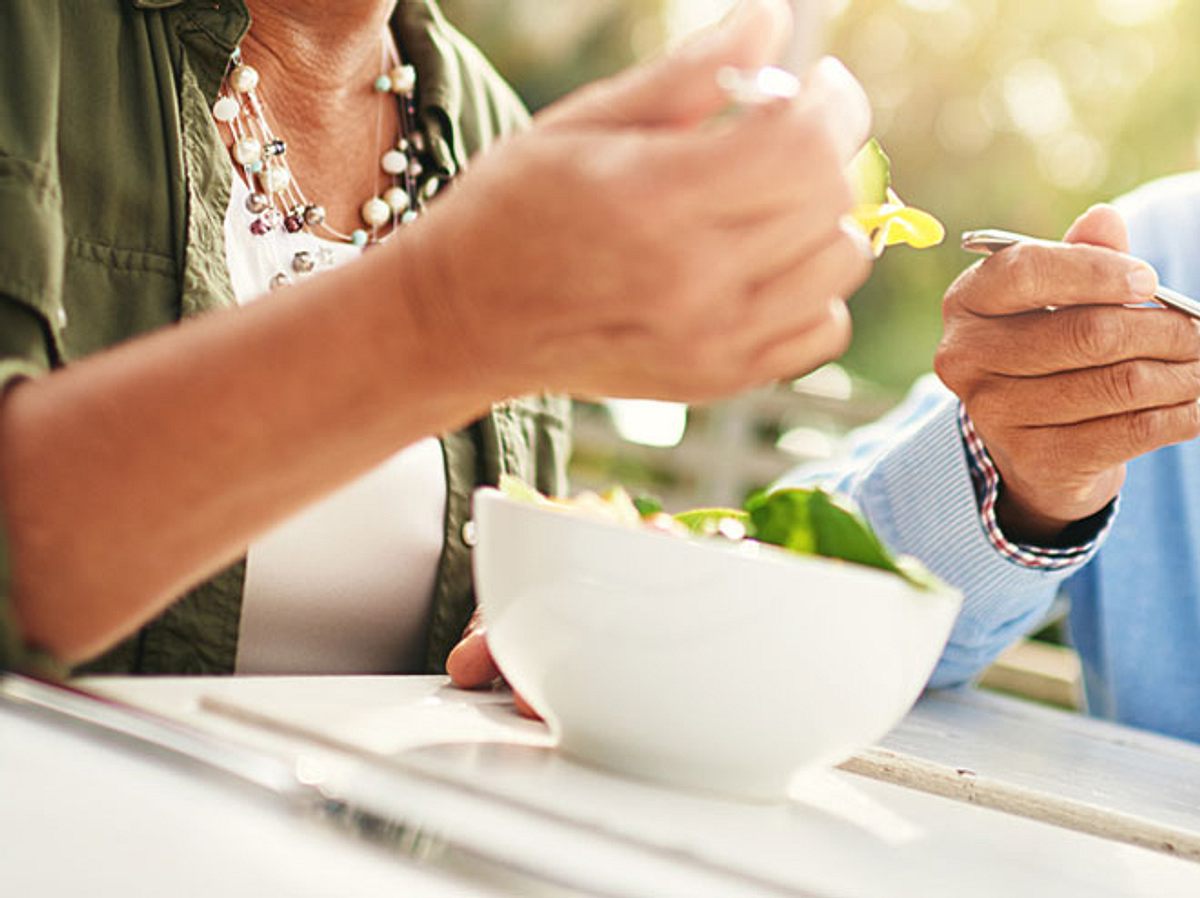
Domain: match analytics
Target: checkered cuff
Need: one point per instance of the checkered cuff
(986, 480)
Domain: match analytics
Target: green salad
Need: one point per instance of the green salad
(804, 521)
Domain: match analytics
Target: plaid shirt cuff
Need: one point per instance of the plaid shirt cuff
(986, 480)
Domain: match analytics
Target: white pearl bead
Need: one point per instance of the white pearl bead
(276, 179)
(376, 212)
(397, 199)
(247, 151)
(244, 79)
(394, 162)
(225, 109)
(404, 79)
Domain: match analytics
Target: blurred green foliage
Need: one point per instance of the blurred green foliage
(1001, 113)
(546, 49)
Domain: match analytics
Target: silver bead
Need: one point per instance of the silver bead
(303, 262)
(282, 279)
(394, 162)
(397, 199)
(314, 216)
(276, 179)
(418, 142)
(257, 203)
(226, 109)
(247, 151)
(404, 79)
(376, 212)
(244, 78)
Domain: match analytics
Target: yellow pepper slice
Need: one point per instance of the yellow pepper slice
(881, 215)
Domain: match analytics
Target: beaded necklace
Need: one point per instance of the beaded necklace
(278, 204)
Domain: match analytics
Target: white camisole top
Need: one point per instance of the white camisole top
(346, 585)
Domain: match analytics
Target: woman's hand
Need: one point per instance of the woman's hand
(471, 666)
(631, 245)
(1064, 382)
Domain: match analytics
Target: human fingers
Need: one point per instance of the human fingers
(470, 664)
(772, 243)
(681, 88)
(790, 355)
(1067, 339)
(798, 298)
(1101, 225)
(842, 103)
(774, 158)
(1104, 443)
(1035, 276)
(524, 708)
(1074, 397)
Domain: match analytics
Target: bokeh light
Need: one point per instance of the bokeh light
(1005, 113)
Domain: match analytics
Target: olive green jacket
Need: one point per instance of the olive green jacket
(113, 188)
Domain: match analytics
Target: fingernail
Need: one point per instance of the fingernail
(860, 240)
(702, 41)
(1143, 282)
(846, 101)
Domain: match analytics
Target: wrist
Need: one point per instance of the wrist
(451, 320)
(1026, 532)
(1023, 523)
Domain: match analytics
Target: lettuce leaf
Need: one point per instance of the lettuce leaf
(815, 522)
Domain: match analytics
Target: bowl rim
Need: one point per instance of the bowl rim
(762, 552)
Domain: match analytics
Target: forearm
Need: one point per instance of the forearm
(130, 475)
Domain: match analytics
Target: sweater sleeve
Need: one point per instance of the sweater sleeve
(910, 473)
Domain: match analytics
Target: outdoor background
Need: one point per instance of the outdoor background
(1002, 113)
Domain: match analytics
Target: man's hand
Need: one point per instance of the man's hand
(634, 243)
(470, 665)
(1064, 382)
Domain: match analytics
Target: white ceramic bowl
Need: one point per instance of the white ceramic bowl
(718, 666)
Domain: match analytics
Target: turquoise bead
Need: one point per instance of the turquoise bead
(256, 167)
(383, 84)
(359, 237)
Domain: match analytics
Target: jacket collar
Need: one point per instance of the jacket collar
(424, 35)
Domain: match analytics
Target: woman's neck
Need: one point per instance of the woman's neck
(317, 60)
(318, 48)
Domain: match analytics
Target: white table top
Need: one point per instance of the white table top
(80, 817)
(844, 835)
